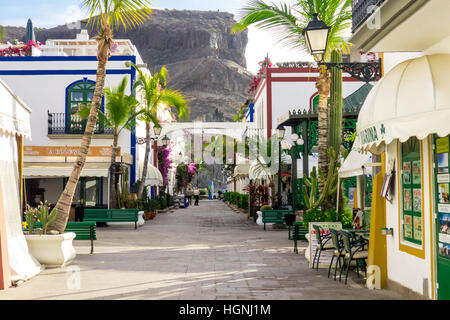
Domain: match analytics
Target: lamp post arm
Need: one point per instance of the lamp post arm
(363, 71)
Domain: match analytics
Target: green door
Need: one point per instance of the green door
(442, 178)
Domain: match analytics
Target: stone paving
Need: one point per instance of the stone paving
(201, 253)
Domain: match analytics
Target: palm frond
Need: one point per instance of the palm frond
(118, 13)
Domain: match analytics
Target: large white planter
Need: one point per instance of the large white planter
(53, 251)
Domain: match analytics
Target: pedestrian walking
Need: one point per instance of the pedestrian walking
(196, 195)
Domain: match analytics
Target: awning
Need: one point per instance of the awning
(354, 164)
(241, 170)
(58, 170)
(154, 176)
(413, 99)
(14, 114)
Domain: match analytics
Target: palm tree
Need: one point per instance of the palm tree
(2, 34)
(106, 15)
(289, 21)
(155, 95)
(120, 115)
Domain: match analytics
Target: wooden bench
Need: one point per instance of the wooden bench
(83, 230)
(112, 215)
(274, 216)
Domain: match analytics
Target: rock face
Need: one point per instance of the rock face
(205, 61)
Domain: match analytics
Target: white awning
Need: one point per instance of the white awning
(413, 99)
(154, 176)
(57, 170)
(242, 170)
(354, 164)
(14, 114)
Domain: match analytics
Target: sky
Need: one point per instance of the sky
(50, 13)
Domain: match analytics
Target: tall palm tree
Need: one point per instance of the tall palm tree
(106, 16)
(289, 21)
(120, 115)
(155, 95)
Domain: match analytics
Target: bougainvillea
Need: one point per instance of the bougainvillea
(20, 50)
(263, 66)
(185, 174)
(164, 162)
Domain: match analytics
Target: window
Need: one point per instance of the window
(79, 93)
(411, 191)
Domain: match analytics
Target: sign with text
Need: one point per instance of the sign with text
(57, 151)
(326, 255)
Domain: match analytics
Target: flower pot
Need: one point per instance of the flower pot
(53, 251)
(148, 216)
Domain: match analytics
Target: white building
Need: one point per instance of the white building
(54, 82)
(405, 119)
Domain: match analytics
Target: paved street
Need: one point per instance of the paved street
(206, 252)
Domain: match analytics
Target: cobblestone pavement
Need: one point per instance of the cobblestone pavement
(201, 253)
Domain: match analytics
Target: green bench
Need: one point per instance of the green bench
(83, 231)
(274, 216)
(111, 215)
(299, 232)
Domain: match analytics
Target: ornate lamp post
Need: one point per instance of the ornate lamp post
(316, 34)
(281, 132)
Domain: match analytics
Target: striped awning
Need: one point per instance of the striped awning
(63, 170)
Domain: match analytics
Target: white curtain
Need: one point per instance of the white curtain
(23, 265)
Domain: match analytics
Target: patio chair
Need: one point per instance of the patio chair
(339, 251)
(354, 251)
(323, 243)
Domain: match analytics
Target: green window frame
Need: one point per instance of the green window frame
(411, 191)
(78, 94)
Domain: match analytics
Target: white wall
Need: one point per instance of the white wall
(403, 267)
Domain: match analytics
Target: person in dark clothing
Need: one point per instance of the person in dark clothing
(197, 196)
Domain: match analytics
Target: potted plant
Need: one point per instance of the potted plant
(52, 250)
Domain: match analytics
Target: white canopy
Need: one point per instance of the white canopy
(242, 170)
(354, 164)
(154, 176)
(413, 99)
(56, 170)
(14, 114)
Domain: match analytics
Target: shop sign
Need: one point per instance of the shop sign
(57, 151)
(372, 134)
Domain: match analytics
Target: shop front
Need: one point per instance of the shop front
(47, 169)
(406, 117)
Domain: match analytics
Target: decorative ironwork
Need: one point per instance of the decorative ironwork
(57, 125)
(363, 71)
(296, 64)
(362, 10)
(144, 140)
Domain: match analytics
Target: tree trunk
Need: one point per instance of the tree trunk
(323, 86)
(65, 200)
(112, 174)
(146, 158)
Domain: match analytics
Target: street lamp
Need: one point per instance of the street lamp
(165, 140)
(316, 34)
(157, 130)
(281, 132)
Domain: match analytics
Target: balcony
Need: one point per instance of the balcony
(398, 25)
(362, 10)
(59, 128)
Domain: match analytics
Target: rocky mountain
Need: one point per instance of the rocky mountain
(205, 61)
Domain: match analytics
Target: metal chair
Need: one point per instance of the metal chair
(339, 251)
(323, 243)
(355, 250)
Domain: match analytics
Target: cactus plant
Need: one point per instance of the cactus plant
(329, 184)
(336, 103)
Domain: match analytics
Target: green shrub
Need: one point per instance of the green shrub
(162, 202)
(313, 215)
(244, 201)
(203, 192)
(266, 207)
